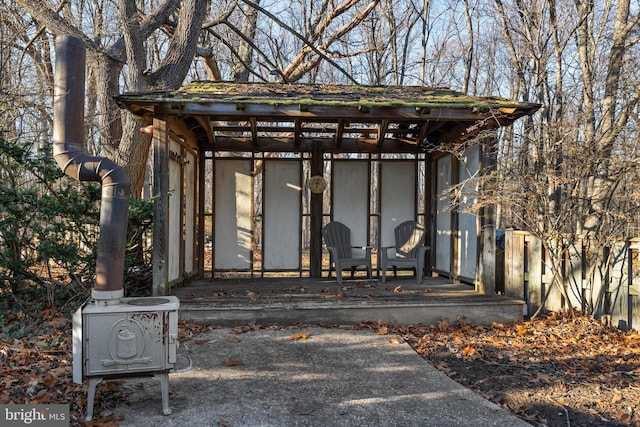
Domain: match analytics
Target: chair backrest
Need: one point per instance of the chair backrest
(338, 235)
(409, 237)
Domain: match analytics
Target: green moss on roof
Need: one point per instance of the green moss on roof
(323, 95)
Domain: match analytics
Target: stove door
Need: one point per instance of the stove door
(124, 342)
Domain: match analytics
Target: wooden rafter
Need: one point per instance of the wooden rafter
(382, 131)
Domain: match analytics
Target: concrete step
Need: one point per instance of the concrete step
(314, 301)
(350, 312)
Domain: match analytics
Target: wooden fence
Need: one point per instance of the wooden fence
(606, 283)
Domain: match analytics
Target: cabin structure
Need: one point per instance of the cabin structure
(246, 175)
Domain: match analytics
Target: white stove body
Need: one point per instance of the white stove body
(131, 337)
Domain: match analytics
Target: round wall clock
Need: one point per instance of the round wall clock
(317, 184)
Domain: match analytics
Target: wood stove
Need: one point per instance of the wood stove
(126, 338)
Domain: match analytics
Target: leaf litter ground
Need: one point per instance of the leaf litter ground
(562, 370)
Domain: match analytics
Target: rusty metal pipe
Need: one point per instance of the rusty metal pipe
(70, 153)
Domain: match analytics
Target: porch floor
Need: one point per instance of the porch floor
(304, 300)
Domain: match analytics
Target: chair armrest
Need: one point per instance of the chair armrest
(333, 251)
(423, 250)
(384, 254)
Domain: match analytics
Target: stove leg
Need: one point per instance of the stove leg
(164, 384)
(91, 394)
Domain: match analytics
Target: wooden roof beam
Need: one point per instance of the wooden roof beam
(382, 131)
(284, 144)
(339, 132)
(297, 133)
(254, 130)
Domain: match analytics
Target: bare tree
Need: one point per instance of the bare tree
(120, 137)
(576, 173)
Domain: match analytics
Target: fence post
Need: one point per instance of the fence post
(634, 284)
(534, 282)
(514, 264)
(574, 273)
(555, 300)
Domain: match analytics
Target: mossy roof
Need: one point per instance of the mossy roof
(324, 95)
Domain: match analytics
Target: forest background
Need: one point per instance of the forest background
(570, 170)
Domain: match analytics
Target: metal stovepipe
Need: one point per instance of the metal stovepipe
(70, 153)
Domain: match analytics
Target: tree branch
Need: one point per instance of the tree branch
(302, 38)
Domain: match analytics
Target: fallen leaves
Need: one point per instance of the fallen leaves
(582, 365)
(468, 351)
(624, 416)
(300, 336)
(36, 366)
(333, 293)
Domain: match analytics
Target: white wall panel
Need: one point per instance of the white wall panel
(282, 193)
(443, 215)
(233, 214)
(468, 241)
(350, 186)
(397, 197)
(190, 212)
(175, 235)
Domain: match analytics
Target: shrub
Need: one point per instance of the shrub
(49, 228)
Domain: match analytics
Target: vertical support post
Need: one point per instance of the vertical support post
(455, 225)
(429, 215)
(431, 208)
(181, 190)
(316, 211)
(161, 206)
(201, 176)
(486, 224)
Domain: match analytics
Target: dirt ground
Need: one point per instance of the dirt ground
(562, 370)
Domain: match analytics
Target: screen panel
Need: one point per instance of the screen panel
(233, 224)
(282, 216)
(350, 185)
(174, 223)
(191, 177)
(397, 197)
(443, 215)
(467, 224)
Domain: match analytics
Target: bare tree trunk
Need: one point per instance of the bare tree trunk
(133, 149)
(393, 34)
(468, 59)
(245, 49)
(424, 40)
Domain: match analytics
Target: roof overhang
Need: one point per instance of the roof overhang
(262, 117)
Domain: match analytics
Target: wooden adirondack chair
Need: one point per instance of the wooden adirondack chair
(337, 237)
(409, 250)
